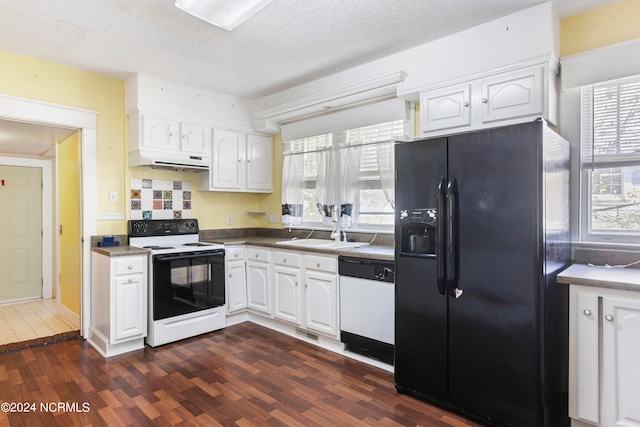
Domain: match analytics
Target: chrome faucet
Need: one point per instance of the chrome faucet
(335, 234)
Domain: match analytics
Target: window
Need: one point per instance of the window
(357, 175)
(610, 155)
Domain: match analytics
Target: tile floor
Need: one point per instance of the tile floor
(29, 321)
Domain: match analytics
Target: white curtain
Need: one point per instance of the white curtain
(292, 189)
(337, 184)
(326, 189)
(386, 168)
(349, 173)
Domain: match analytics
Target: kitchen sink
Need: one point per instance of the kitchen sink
(321, 243)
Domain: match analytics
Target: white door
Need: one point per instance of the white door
(21, 239)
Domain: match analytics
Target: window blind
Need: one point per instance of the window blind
(610, 124)
(367, 137)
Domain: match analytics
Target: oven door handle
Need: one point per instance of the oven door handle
(186, 255)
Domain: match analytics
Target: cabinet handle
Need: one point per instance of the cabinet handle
(466, 104)
(249, 161)
(295, 283)
(587, 312)
(131, 267)
(130, 279)
(171, 134)
(317, 265)
(609, 317)
(306, 284)
(239, 160)
(485, 100)
(284, 260)
(230, 275)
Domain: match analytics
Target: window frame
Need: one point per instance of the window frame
(587, 233)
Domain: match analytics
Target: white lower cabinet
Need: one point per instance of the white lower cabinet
(604, 357)
(236, 279)
(321, 302)
(287, 280)
(258, 280)
(118, 303)
(295, 287)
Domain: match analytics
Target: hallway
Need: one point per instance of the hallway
(33, 323)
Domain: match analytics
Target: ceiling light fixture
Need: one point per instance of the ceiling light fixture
(226, 14)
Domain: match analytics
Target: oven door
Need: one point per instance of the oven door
(187, 282)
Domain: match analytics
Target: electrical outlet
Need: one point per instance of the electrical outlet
(229, 221)
(113, 196)
(273, 218)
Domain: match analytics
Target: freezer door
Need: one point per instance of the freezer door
(494, 324)
(421, 311)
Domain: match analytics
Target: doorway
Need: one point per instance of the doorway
(37, 112)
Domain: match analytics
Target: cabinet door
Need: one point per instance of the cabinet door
(584, 360)
(159, 133)
(445, 108)
(621, 361)
(514, 95)
(259, 162)
(130, 307)
(195, 138)
(236, 286)
(258, 287)
(321, 302)
(286, 300)
(227, 159)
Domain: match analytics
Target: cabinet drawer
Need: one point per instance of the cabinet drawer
(321, 263)
(231, 254)
(287, 258)
(129, 265)
(255, 254)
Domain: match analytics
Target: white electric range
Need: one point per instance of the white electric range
(186, 279)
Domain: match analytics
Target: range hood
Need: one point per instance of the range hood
(169, 160)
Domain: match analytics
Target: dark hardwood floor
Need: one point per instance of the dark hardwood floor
(244, 375)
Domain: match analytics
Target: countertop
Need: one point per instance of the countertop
(119, 250)
(369, 252)
(602, 277)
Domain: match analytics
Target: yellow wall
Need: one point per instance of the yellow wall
(36, 79)
(70, 241)
(600, 27)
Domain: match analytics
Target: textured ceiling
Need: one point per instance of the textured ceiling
(288, 43)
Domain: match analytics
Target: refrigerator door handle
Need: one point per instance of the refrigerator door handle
(441, 237)
(452, 239)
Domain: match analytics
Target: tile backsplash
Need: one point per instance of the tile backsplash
(160, 199)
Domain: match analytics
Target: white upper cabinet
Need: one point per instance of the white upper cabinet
(162, 139)
(502, 98)
(226, 167)
(518, 94)
(446, 108)
(240, 162)
(195, 138)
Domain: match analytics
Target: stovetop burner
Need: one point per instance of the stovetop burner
(157, 248)
(198, 244)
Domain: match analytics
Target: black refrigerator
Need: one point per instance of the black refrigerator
(482, 229)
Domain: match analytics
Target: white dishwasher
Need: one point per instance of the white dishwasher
(367, 306)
